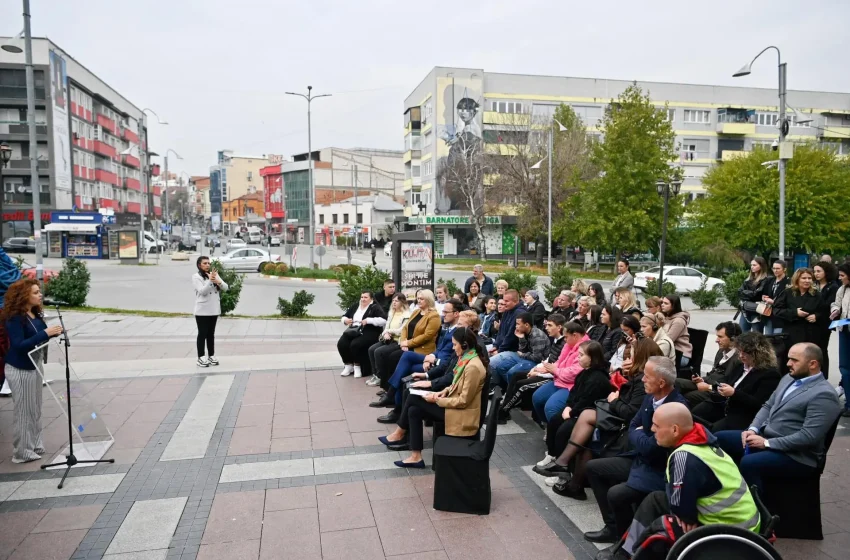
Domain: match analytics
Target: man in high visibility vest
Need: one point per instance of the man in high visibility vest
(704, 487)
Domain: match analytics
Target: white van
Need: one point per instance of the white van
(255, 236)
(153, 245)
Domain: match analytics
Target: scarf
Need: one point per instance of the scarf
(461, 364)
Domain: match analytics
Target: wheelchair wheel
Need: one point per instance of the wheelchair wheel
(722, 541)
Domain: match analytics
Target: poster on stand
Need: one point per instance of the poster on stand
(416, 266)
(128, 245)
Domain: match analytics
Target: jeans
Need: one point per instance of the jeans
(769, 329)
(844, 363)
(760, 462)
(549, 400)
(411, 362)
(747, 326)
(507, 364)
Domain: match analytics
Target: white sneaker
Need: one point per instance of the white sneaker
(374, 381)
(552, 480)
(357, 372)
(546, 461)
(202, 362)
(347, 370)
(839, 390)
(212, 360)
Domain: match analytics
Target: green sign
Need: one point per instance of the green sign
(452, 220)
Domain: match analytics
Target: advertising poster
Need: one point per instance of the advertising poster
(417, 266)
(273, 194)
(61, 135)
(128, 245)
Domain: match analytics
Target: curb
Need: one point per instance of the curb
(321, 280)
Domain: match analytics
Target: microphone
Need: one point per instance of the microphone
(55, 302)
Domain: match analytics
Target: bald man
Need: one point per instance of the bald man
(703, 487)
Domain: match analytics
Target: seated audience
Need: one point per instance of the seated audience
(461, 297)
(485, 284)
(458, 406)
(595, 329)
(621, 483)
(704, 487)
(699, 389)
(412, 361)
(631, 332)
(581, 314)
(677, 327)
(579, 287)
(364, 320)
(592, 384)
(385, 298)
(566, 305)
(521, 383)
(741, 394)
(653, 304)
(611, 318)
(501, 288)
(475, 298)
(388, 341)
(627, 303)
(506, 340)
(786, 438)
(596, 293)
(488, 319)
(442, 297)
(533, 306)
(419, 335)
(652, 325)
(550, 398)
(573, 442)
(532, 350)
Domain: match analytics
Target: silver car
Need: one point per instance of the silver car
(247, 260)
(236, 243)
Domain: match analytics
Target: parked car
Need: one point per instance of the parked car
(685, 279)
(19, 245)
(247, 260)
(276, 240)
(236, 243)
(47, 274)
(153, 245)
(212, 241)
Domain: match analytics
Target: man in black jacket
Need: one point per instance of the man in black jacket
(701, 389)
(385, 298)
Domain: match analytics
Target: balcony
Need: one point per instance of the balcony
(134, 184)
(130, 136)
(156, 191)
(410, 155)
(729, 155)
(836, 132)
(511, 119)
(107, 177)
(104, 149)
(24, 164)
(84, 143)
(107, 123)
(131, 161)
(736, 128)
(134, 207)
(736, 121)
(80, 111)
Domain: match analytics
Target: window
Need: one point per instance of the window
(345, 218)
(689, 152)
(671, 115)
(359, 218)
(416, 170)
(427, 112)
(428, 168)
(589, 115)
(698, 117)
(427, 140)
(506, 106)
(321, 218)
(333, 217)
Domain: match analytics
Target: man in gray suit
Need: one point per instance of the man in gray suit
(787, 435)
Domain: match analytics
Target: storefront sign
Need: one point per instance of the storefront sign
(125, 219)
(452, 220)
(417, 266)
(275, 159)
(24, 216)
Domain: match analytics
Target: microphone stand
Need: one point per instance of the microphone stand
(70, 458)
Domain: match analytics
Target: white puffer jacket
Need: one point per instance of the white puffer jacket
(842, 303)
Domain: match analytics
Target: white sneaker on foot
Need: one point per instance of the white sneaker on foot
(358, 373)
(212, 360)
(202, 362)
(546, 460)
(552, 480)
(374, 381)
(347, 370)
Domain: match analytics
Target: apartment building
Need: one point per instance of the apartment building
(89, 138)
(712, 124)
(232, 177)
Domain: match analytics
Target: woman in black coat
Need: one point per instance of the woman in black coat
(826, 281)
(365, 321)
(736, 400)
(750, 294)
(805, 313)
(595, 330)
(596, 292)
(611, 318)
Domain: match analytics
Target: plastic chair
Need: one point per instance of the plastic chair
(462, 482)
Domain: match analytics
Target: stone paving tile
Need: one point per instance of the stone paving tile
(149, 525)
(68, 519)
(251, 440)
(291, 530)
(283, 445)
(344, 506)
(390, 489)
(470, 539)
(238, 550)
(48, 546)
(404, 527)
(280, 499)
(363, 544)
(235, 516)
(14, 528)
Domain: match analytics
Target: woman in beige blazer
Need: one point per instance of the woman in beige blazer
(459, 405)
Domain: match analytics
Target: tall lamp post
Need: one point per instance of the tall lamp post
(144, 155)
(167, 215)
(665, 189)
(310, 195)
(783, 132)
(5, 156)
(550, 156)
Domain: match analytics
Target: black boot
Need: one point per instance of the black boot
(387, 401)
(608, 534)
(504, 416)
(391, 417)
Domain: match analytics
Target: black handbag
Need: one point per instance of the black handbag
(606, 421)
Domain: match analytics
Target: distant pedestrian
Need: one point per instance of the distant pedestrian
(374, 252)
(208, 287)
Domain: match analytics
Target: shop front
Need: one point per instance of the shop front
(455, 235)
(78, 234)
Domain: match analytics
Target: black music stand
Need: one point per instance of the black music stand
(70, 458)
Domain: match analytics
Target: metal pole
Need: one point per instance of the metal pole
(167, 215)
(33, 140)
(782, 160)
(310, 186)
(143, 156)
(356, 232)
(663, 241)
(549, 244)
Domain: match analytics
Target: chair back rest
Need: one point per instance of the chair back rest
(485, 392)
(492, 422)
(698, 338)
(780, 348)
(827, 442)
(768, 521)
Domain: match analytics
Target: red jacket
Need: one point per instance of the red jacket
(567, 367)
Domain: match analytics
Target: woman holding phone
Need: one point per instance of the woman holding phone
(208, 287)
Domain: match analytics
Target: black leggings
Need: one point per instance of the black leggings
(419, 410)
(206, 333)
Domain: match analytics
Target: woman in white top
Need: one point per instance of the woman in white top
(388, 341)
(652, 325)
(208, 287)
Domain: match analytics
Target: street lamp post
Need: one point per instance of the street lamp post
(550, 156)
(783, 132)
(5, 156)
(167, 215)
(664, 189)
(311, 195)
(144, 156)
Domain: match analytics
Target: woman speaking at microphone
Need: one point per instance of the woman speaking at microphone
(24, 322)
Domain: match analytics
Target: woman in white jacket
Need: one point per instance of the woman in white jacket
(840, 309)
(208, 287)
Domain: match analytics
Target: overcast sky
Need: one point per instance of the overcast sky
(216, 70)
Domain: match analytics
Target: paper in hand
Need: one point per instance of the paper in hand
(838, 323)
(420, 392)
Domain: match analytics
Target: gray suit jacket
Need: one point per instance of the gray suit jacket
(798, 425)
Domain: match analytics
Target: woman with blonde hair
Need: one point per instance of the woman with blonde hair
(388, 340)
(501, 288)
(805, 312)
(653, 304)
(627, 303)
(579, 287)
(652, 325)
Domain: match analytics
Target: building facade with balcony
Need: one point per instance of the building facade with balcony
(456, 106)
(83, 126)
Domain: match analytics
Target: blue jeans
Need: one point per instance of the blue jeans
(747, 326)
(844, 363)
(505, 365)
(769, 329)
(760, 462)
(548, 401)
(411, 362)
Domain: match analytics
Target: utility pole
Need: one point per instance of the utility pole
(143, 156)
(549, 239)
(783, 132)
(33, 140)
(356, 232)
